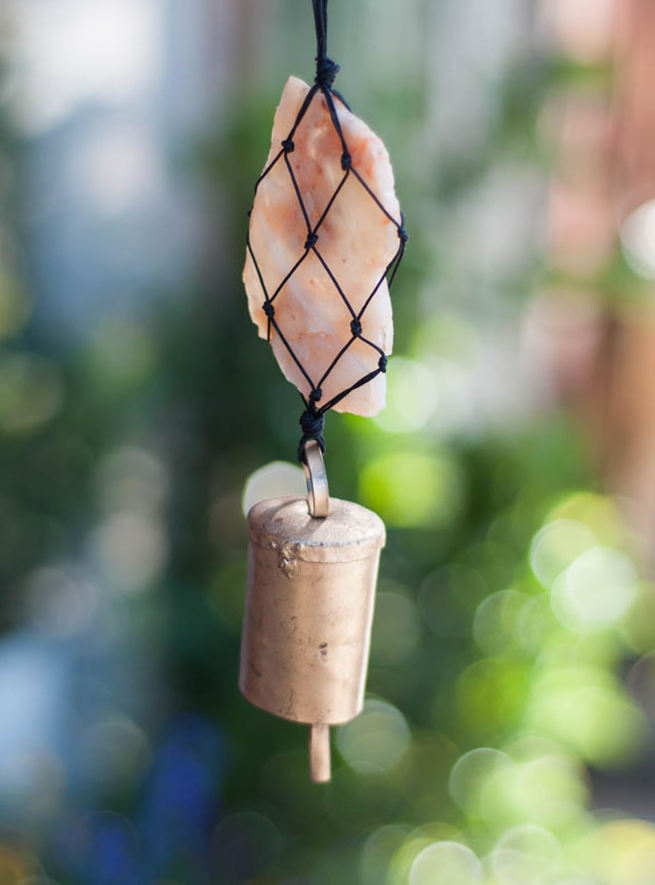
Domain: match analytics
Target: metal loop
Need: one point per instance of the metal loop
(318, 493)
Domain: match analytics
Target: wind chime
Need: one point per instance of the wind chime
(326, 237)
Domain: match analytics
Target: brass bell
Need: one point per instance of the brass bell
(309, 608)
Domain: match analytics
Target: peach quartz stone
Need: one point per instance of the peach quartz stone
(356, 240)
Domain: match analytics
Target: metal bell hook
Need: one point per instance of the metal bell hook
(318, 493)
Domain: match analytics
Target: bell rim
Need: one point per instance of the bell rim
(301, 720)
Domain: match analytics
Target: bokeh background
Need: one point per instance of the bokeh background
(508, 736)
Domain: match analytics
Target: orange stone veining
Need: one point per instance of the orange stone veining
(356, 239)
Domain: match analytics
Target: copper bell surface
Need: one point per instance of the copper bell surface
(312, 570)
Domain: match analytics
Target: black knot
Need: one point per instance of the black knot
(403, 236)
(288, 146)
(382, 363)
(311, 240)
(326, 71)
(356, 327)
(315, 396)
(346, 161)
(311, 424)
(269, 310)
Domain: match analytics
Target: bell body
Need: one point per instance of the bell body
(309, 607)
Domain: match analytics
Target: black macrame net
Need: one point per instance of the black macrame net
(312, 419)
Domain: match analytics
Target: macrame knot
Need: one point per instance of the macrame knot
(311, 424)
(288, 146)
(269, 310)
(382, 363)
(326, 71)
(311, 240)
(346, 161)
(356, 327)
(403, 236)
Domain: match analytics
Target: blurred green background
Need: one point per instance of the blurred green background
(507, 736)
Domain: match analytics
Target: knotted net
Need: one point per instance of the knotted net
(312, 418)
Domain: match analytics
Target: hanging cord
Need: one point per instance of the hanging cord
(312, 419)
(326, 69)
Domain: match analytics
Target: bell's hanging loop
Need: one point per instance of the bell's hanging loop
(318, 493)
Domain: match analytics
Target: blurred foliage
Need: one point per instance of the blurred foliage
(508, 604)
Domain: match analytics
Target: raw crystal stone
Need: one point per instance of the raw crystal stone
(356, 240)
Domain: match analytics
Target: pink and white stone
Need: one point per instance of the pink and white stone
(356, 240)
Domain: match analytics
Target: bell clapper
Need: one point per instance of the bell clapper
(319, 752)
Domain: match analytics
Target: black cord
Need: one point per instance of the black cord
(320, 21)
(311, 423)
(326, 69)
(312, 419)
